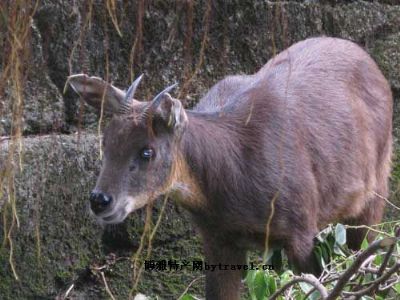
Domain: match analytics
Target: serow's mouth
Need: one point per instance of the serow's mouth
(118, 213)
(115, 218)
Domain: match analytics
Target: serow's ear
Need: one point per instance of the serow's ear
(168, 114)
(96, 91)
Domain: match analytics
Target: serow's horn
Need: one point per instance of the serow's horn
(157, 99)
(132, 89)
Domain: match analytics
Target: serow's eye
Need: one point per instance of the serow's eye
(147, 153)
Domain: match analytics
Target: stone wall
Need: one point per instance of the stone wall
(57, 243)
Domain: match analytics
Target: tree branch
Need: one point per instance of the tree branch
(374, 284)
(386, 242)
(308, 278)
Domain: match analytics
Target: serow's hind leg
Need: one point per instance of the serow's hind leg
(370, 215)
(300, 254)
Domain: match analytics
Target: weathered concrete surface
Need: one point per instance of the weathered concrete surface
(57, 242)
(59, 172)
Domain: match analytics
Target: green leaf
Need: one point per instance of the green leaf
(297, 295)
(250, 276)
(314, 296)
(319, 256)
(324, 256)
(330, 241)
(397, 288)
(188, 297)
(271, 284)
(260, 286)
(250, 281)
(306, 287)
(338, 250)
(328, 254)
(286, 277)
(349, 262)
(257, 282)
(364, 244)
(340, 234)
(378, 260)
(367, 298)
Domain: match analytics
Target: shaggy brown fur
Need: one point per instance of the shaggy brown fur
(312, 127)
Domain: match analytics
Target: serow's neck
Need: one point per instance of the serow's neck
(209, 160)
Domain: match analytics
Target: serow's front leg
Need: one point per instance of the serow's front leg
(224, 270)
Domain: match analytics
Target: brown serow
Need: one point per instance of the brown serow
(310, 132)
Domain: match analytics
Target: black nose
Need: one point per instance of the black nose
(99, 201)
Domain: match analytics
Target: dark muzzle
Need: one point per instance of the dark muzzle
(99, 202)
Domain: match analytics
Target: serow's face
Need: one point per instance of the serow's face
(139, 146)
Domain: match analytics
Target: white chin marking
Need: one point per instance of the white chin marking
(124, 207)
(134, 203)
(116, 218)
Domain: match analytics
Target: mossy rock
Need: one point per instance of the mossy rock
(58, 244)
(242, 36)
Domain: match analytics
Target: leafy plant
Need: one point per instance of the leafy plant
(371, 273)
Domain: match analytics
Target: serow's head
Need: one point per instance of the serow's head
(140, 146)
